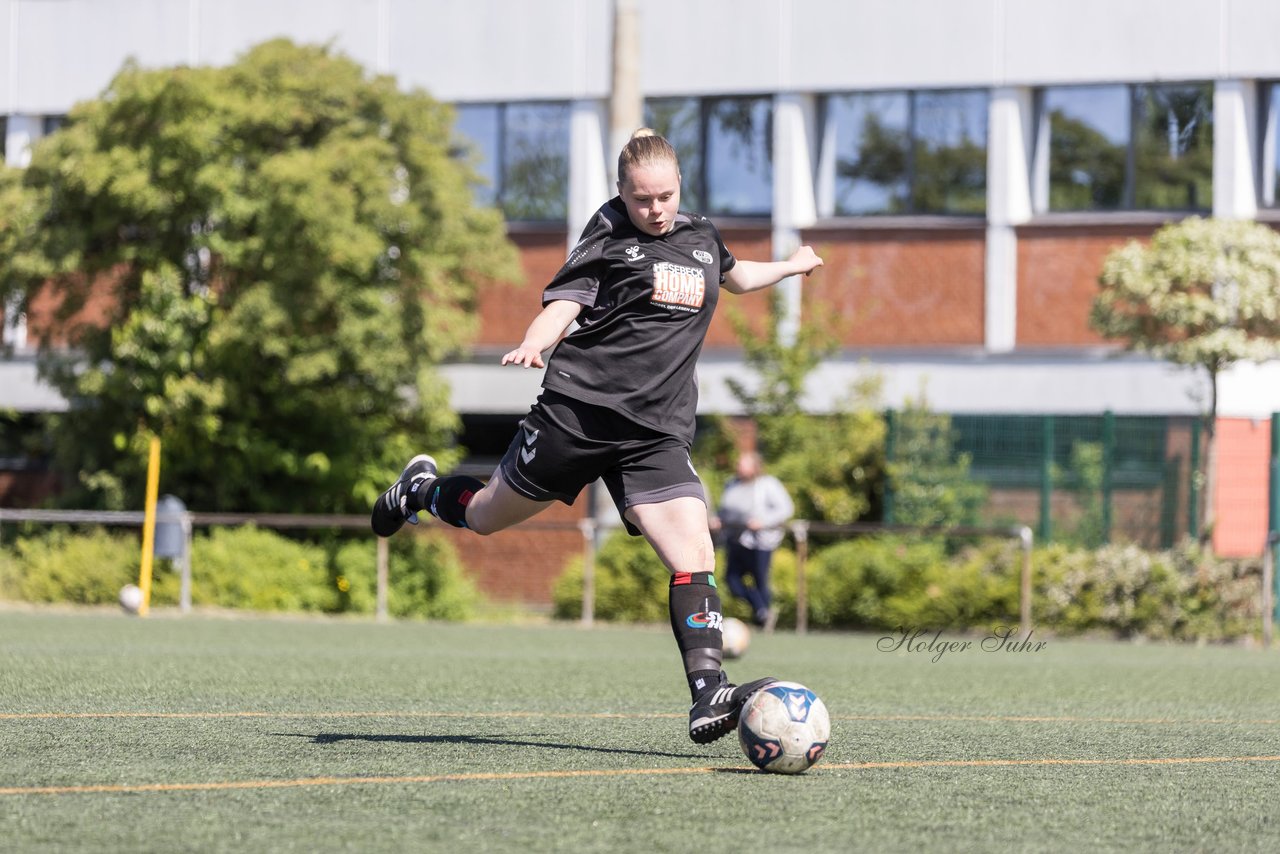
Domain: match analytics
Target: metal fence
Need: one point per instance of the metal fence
(1087, 479)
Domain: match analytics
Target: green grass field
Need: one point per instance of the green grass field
(255, 734)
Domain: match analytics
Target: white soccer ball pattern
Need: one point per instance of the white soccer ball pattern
(784, 728)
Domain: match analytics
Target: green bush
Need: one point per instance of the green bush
(245, 567)
(1183, 594)
(630, 583)
(425, 578)
(86, 568)
(887, 583)
(252, 568)
(851, 584)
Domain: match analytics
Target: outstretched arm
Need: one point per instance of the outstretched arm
(545, 331)
(748, 276)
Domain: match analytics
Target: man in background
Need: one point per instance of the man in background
(753, 510)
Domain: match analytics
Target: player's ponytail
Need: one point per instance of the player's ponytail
(645, 147)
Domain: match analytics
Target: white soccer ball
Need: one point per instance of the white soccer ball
(131, 598)
(735, 636)
(784, 728)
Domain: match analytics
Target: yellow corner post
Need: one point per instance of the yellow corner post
(149, 526)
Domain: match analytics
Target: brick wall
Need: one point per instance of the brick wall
(522, 563)
(1058, 270)
(900, 287)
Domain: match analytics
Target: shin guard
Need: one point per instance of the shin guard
(695, 621)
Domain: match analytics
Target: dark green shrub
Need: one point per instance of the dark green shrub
(425, 578)
(850, 584)
(260, 570)
(977, 588)
(630, 583)
(83, 568)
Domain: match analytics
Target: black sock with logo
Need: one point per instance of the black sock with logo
(446, 498)
(695, 621)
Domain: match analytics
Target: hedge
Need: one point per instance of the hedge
(245, 567)
(887, 583)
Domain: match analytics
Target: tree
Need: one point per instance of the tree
(291, 245)
(832, 464)
(931, 482)
(1204, 293)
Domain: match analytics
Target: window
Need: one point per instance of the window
(739, 164)
(680, 121)
(1088, 146)
(725, 146)
(872, 138)
(1269, 122)
(478, 127)
(904, 153)
(1117, 147)
(522, 152)
(1173, 147)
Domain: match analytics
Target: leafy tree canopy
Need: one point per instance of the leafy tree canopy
(833, 465)
(1204, 292)
(292, 245)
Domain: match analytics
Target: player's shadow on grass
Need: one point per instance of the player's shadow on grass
(335, 737)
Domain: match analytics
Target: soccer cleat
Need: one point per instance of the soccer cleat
(391, 510)
(715, 713)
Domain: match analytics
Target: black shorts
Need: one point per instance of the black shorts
(565, 444)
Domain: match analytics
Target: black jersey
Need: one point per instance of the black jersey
(649, 301)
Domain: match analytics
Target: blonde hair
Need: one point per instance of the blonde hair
(645, 147)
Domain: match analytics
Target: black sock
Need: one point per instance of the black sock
(446, 498)
(695, 621)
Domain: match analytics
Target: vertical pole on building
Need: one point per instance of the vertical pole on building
(626, 101)
(1046, 479)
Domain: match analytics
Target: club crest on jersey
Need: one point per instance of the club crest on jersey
(704, 620)
(633, 253)
(703, 256)
(676, 285)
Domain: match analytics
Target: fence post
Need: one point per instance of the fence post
(380, 609)
(184, 567)
(1268, 580)
(1193, 494)
(1046, 479)
(890, 447)
(800, 531)
(1027, 538)
(588, 528)
(1108, 462)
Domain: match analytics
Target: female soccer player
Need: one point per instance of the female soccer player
(618, 403)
